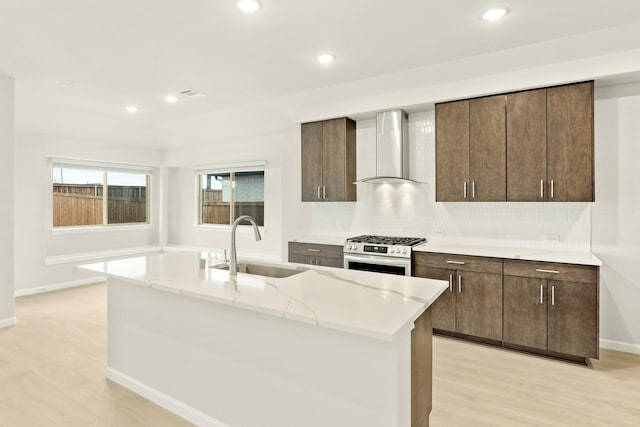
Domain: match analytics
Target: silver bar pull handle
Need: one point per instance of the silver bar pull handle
(324, 192)
(552, 189)
(465, 190)
(542, 188)
(455, 262)
(459, 283)
(313, 250)
(541, 293)
(553, 295)
(473, 189)
(541, 270)
(318, 192)
(450, 282)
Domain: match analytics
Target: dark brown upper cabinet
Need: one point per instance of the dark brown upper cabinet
(570, 165)
(329, 161)
(452, 151)
(471, 150)
(487, 149)
(525, 146)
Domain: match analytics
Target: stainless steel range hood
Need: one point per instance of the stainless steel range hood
(392, 149)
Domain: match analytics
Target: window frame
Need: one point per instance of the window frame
(105, 168)
(230, 168)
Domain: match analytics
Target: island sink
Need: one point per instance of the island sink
(262, 270)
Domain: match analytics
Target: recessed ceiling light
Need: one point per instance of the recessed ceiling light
(494, 14)
(325, 58)
(248, 6)
(170, 99)
(132, 109)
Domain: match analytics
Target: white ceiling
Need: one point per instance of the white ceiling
(113, 53)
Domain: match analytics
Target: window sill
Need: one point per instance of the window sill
(242, 228)
(100, 228)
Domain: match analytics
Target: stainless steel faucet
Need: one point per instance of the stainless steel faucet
(233, 263)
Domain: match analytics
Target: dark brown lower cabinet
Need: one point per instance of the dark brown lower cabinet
(316, 254)
(525, 312)
(472, 305)
(556, 316)
(443, 310)
(479, 304)
(542, 307)
(573, 319)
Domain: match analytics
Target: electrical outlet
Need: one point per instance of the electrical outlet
(552, 238)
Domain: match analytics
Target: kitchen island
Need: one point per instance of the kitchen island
(322, 347)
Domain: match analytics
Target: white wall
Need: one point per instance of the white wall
(34, 238)
(182, 198)
(616, 218)
(7, 312)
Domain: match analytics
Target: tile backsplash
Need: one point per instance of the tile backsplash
(411, 210)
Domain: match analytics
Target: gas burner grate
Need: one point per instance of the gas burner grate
(387, 240)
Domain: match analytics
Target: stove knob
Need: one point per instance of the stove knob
(404, 251)
(393, 250)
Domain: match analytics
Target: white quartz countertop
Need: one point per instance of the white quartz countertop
(528, 254)
(359, 302)
(337, 240)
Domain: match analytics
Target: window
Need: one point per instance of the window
(80, 199)
(227, 193)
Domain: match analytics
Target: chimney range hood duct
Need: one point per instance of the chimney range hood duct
(392, 149)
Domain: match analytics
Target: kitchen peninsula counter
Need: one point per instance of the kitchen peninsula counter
(325, 346)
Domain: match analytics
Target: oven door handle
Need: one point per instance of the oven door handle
(372, 259)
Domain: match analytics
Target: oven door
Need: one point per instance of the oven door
(378, 264)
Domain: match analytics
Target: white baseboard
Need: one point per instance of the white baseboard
(620, 346)
(163, 400)
(58, 286)
(8, 322)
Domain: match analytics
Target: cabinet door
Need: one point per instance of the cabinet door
(333, 160)
(311, 161)
(527, 146)
(570, 142)
(302, 259)
(525, 311)
(330, 262)
(452, 151)
(443, 310)
(573, 318)
(479, 304)
(487, 149)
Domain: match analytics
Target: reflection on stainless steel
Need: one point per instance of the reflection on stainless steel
(233, 268)
(262, 270)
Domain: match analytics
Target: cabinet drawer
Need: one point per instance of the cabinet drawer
(317, 260)
(551, 271)
(459, 262)
(331, 251)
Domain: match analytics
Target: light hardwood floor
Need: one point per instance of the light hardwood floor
(52, 366)
(52, 374)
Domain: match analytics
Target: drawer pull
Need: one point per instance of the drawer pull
(455, 262)
(540, 270)
(542, 188)
(541, 294)
(459, 283)
(313, 250)
(464, 191)
(450, 282)
(553, 295)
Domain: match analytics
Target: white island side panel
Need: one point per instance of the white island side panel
(245, 368)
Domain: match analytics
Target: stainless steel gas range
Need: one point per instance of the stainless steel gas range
(381, 254)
